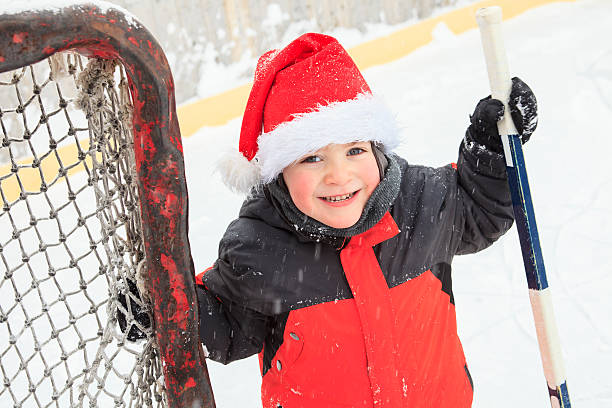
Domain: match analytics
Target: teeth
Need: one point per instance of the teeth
(335, 199)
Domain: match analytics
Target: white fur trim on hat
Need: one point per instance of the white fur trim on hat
(238, 173)
(365, 118)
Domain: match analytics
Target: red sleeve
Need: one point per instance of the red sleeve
(200, 275)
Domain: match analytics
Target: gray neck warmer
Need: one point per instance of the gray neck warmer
(375, 208)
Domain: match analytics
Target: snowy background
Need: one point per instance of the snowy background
(563, 51)
(201, 37)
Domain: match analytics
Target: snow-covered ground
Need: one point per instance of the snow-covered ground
(563, 51)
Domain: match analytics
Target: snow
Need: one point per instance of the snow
(54, 6)
(558, 49)
(217, 78)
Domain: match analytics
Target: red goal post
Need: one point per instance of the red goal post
(99, 30)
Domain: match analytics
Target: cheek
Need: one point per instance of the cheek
(370, 176)
(301, 188)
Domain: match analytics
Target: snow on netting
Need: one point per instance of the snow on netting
(69, 238)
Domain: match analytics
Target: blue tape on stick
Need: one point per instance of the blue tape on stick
(524, 216)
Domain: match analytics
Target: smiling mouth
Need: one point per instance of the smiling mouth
(339, 198)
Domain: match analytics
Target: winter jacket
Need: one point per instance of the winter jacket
(370, 323)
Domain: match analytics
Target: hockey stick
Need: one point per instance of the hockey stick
(489, 21)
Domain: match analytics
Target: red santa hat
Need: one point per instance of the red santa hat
(304, 97)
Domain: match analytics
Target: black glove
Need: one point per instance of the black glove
(138, 313)
(523, 110)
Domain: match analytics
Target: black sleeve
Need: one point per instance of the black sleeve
(234, 321)
(228, 330)
(485, 206)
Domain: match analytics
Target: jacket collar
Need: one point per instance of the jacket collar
(385, 228)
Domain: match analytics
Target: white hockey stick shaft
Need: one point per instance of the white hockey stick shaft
(489, 22)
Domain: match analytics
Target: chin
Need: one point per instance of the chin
(339, 224)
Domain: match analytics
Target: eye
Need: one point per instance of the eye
(311, 159)
(355, 151)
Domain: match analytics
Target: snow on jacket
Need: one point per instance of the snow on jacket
(371, 323)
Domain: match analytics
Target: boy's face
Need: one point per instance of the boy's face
(333, 184)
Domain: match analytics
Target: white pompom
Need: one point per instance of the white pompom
(238, 173)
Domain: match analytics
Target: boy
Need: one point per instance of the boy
(337, 271)
(338, 268)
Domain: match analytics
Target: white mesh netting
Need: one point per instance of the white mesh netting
(69, 239)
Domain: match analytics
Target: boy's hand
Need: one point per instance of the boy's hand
(523, 110)
(138, 313)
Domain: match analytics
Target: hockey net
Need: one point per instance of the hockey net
(97, 299)
(70, 239)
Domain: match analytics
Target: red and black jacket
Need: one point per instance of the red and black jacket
(369, 324)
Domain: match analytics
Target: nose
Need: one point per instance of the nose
(337, 172)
